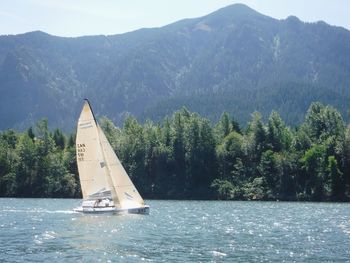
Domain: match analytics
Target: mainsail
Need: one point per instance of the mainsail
(100, 171)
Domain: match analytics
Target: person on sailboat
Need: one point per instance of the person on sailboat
(97, 202)
(106, 202)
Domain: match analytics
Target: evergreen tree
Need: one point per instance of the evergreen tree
(224, 126)
(8, 161)
(323, 122)
(228, 152)
(337, 183)
(313, 162)
(30, 133)
(270, 170)
(27, 167)
(278, 136)
(259, 134)
(179, 153)
(59, 139)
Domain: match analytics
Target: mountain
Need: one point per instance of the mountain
(234, 60)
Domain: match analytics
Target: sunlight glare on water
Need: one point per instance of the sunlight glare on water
(43, 230)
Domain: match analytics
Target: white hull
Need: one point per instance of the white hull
(95, 210)
(144, 210)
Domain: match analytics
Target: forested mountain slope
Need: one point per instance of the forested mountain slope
(234, 60)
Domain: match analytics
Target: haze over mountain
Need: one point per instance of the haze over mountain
(234, 60)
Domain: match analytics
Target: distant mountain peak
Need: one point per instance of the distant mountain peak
(232, 14)
(36, 33)
(236, 10)
(293, 19)
(235, 60)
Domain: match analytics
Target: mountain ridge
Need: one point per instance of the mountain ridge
(228, 60)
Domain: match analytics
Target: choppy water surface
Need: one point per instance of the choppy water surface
(42, 230)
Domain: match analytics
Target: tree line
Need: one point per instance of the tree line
(187, 157)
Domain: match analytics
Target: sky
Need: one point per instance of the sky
(71, 18)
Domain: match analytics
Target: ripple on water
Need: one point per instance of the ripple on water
(345, 228)
(176, 231)
(47, 235)
(218, 254)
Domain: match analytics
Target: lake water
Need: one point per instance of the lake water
(43, 230)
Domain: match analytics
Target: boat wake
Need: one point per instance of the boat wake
(62, 212)
(39, 211)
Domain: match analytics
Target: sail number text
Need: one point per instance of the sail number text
(80, 151)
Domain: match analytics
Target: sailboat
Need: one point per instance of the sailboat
(105, 185)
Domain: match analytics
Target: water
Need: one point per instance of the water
(46, 230)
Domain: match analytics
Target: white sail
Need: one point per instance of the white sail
(127, 194)
(101, 174)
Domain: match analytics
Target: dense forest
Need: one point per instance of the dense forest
(186, 157)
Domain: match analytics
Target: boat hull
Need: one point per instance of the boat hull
(95, 210)
(139, 210)
(144, 210)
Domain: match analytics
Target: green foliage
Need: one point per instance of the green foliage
(186, 157)
(37, 165)
(256, 189)
(228, 152)
(223, 188)
(224, 126)
(337, 183)
(8, 159)
(269, 169)
(278, 136)
(258, 133)
(313, 163)
(324, 122)
(59, 139)
(111, 131)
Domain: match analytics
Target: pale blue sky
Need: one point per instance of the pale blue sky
(94, 17)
